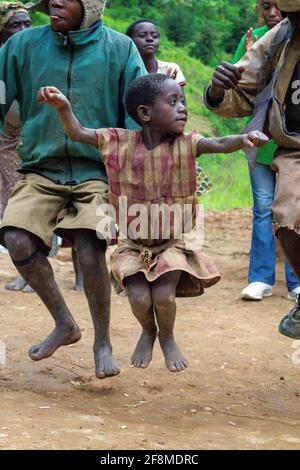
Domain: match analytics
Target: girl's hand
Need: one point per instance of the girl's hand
(249, 41)
(255, 139)
(51, 95)
(172, 72)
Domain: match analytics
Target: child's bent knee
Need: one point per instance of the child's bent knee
(139, 302)
(163, 301)
(19, 242)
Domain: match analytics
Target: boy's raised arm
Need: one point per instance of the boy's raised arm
(72, 127)
(231, 143)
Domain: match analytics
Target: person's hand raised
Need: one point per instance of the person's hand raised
(225, 77)
(52, 96)
(249, 41)
(172, 72)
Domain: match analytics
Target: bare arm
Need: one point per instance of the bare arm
(231, 143)
(72, 127)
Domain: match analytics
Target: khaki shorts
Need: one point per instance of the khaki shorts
(37, 201)
(286, 206)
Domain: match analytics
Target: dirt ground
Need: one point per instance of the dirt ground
(241, 391)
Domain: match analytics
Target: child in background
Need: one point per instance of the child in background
(154, 166)
(146, 37)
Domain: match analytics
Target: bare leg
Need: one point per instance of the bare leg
(290, 242)
(77, 270)
(38, 273)
(163, 296)
(139, 296)
(96, 282)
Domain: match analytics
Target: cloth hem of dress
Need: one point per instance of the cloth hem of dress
(293, 228)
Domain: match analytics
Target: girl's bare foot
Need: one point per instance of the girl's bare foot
(58, 337)
(104, 364)
(174, 359)
(142, 354)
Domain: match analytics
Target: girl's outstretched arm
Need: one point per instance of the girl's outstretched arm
(72, 127)
(231, 143)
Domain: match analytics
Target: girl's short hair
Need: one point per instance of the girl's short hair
(131, 28)
(143, 91)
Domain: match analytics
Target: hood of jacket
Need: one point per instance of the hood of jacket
(93, 10)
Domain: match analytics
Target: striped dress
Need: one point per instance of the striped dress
(162, 177)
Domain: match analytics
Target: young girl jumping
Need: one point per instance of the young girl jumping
(154, 166)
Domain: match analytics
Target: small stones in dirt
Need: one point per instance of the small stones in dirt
(123, 426)
(93, 419)
(151, 388)
(75, 383)
(207, 408)
(145, 383)
(231, 423)
(141, 402)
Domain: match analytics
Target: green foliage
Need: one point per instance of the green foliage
(211, 28)
(206, 42)
(178, 24)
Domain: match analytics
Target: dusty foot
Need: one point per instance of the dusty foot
(16, 284)
(27, 289)
(175, 361)
(142, 354)
(104, 364)
(58, 337)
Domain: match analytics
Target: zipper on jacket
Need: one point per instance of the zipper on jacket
(69, 79)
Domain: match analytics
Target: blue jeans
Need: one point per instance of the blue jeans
(262, 253)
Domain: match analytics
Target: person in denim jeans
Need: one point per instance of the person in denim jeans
(261, 276)
(263, 254)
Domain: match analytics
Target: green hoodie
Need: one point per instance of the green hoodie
(93, 67)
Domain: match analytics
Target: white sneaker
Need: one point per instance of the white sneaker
(292, 294)
(256, 291)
